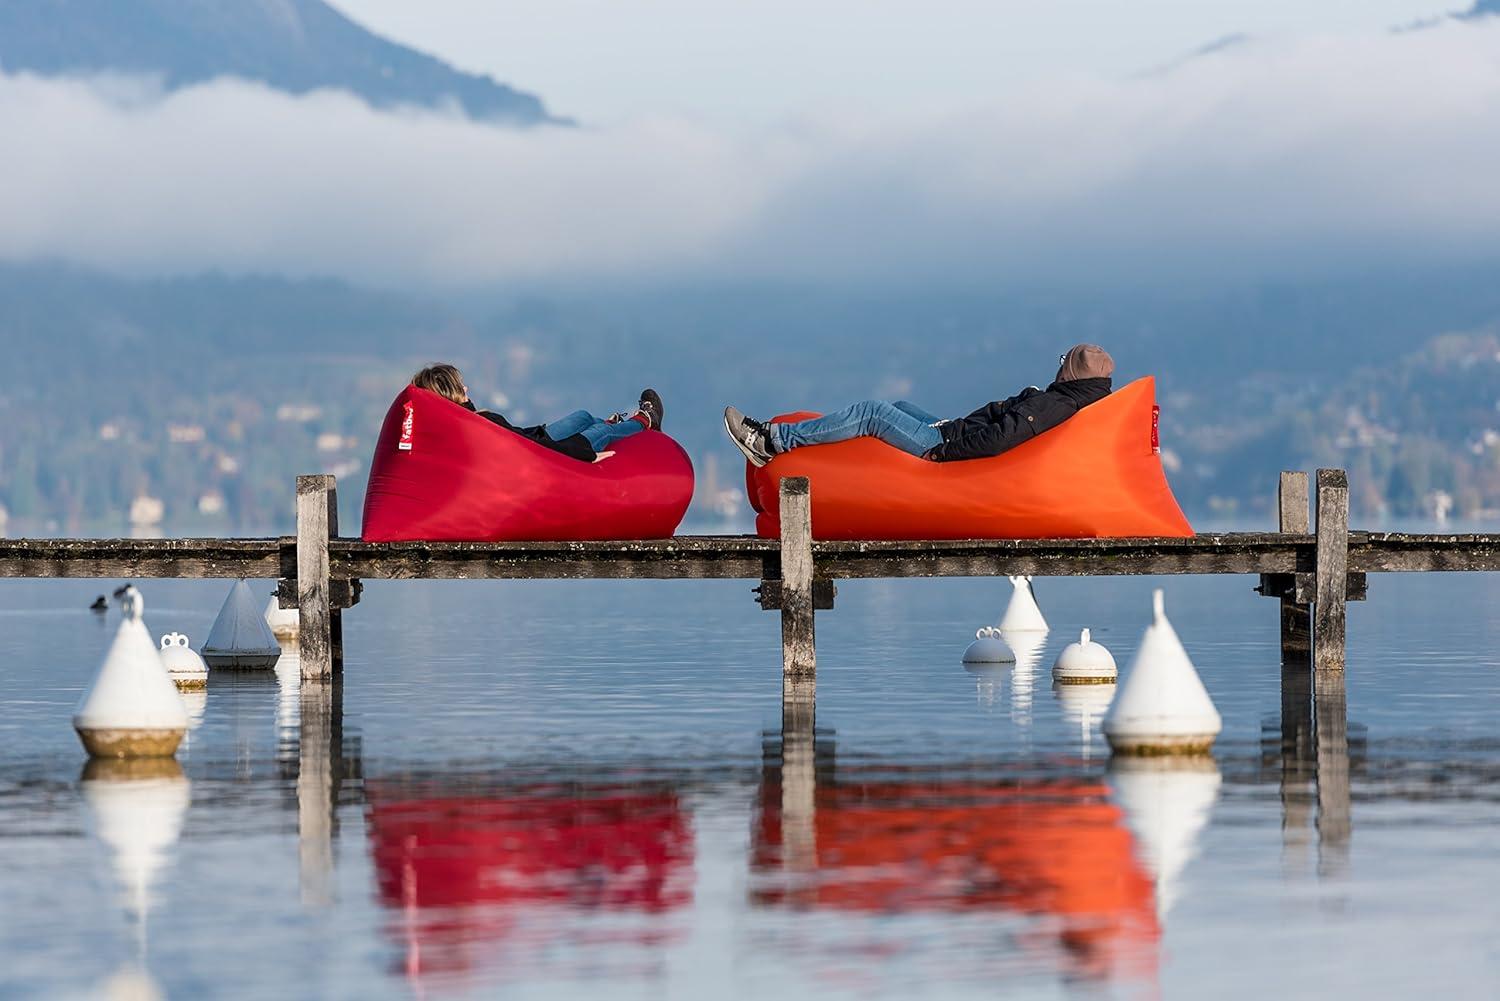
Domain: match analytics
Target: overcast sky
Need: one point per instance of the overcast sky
(1334, 147)
(605, 60)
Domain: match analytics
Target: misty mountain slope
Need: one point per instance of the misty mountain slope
(291, 45)
(1484, 8)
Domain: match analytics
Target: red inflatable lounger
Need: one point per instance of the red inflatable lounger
(444, 474)
(1098, 475)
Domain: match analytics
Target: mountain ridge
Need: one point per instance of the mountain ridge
(295, 46)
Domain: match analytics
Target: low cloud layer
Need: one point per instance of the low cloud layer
(1274, 158)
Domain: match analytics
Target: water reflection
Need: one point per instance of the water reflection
(136, 808)
(1167, 803)
(885, 840)
(484, 874)
(1084, 706)
(1028, 647)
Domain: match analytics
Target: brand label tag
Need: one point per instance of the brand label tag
(1155, 429)
(406, 429)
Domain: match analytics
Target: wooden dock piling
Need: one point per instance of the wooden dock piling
(1296, 617)
(1332, 572)
(320, 623)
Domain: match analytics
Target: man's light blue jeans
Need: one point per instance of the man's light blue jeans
(904, 425)
(600, 434)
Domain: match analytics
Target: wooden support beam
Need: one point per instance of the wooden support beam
(798, 648)
(769, 594)
(1302, 588)
(320, 629)
(1332, 574)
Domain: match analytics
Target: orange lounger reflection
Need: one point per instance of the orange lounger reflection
(462, 869)
(1056, 850)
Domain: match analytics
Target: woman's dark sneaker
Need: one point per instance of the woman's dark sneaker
(749, 436)
(651, 409)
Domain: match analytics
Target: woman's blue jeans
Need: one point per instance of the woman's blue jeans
(904, 425)
(599, 433)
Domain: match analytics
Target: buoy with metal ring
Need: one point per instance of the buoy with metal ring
(989, 648)
(1084, 663)
(184, 666)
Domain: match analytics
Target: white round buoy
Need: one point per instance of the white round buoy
(1023, 615)
(1084, 663)
(1167, 801)
(240, 638)
(285, 623)
(184, 666)
(988, 648)
(132, 709)
(1162, 706)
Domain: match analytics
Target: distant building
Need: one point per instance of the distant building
(298, 413)
(145, 510)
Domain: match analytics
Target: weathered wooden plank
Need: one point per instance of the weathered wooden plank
(144, 558)
(1332, 574)
(798, 646)
(1386, 553)
(316, 524)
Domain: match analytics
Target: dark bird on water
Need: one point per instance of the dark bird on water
(99, 605)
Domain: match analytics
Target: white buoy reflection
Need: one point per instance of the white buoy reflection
(1084, 706)
(1027, 646)
(136, 808)
(1167, 803)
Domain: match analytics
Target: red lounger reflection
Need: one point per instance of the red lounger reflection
(444, 474)
(464, 869)
(1057, 850)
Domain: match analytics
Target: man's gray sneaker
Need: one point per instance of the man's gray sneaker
(749, 436)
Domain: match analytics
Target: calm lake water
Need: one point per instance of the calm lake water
(567, 789)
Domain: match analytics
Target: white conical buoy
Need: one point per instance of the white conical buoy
(1167, 802)
(988, 648)
(285, 623)
(240, 638)
(1162, 706)
(1084, 663)
(1023, 615)
(184, 666)
(132, 709)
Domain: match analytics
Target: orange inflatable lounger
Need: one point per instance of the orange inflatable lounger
(1098, 475)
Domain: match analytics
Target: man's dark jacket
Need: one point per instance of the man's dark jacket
(999, 427)
(575, 446)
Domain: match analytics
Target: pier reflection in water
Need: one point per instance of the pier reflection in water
(517, 838)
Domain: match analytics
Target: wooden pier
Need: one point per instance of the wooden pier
(1312, 566)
